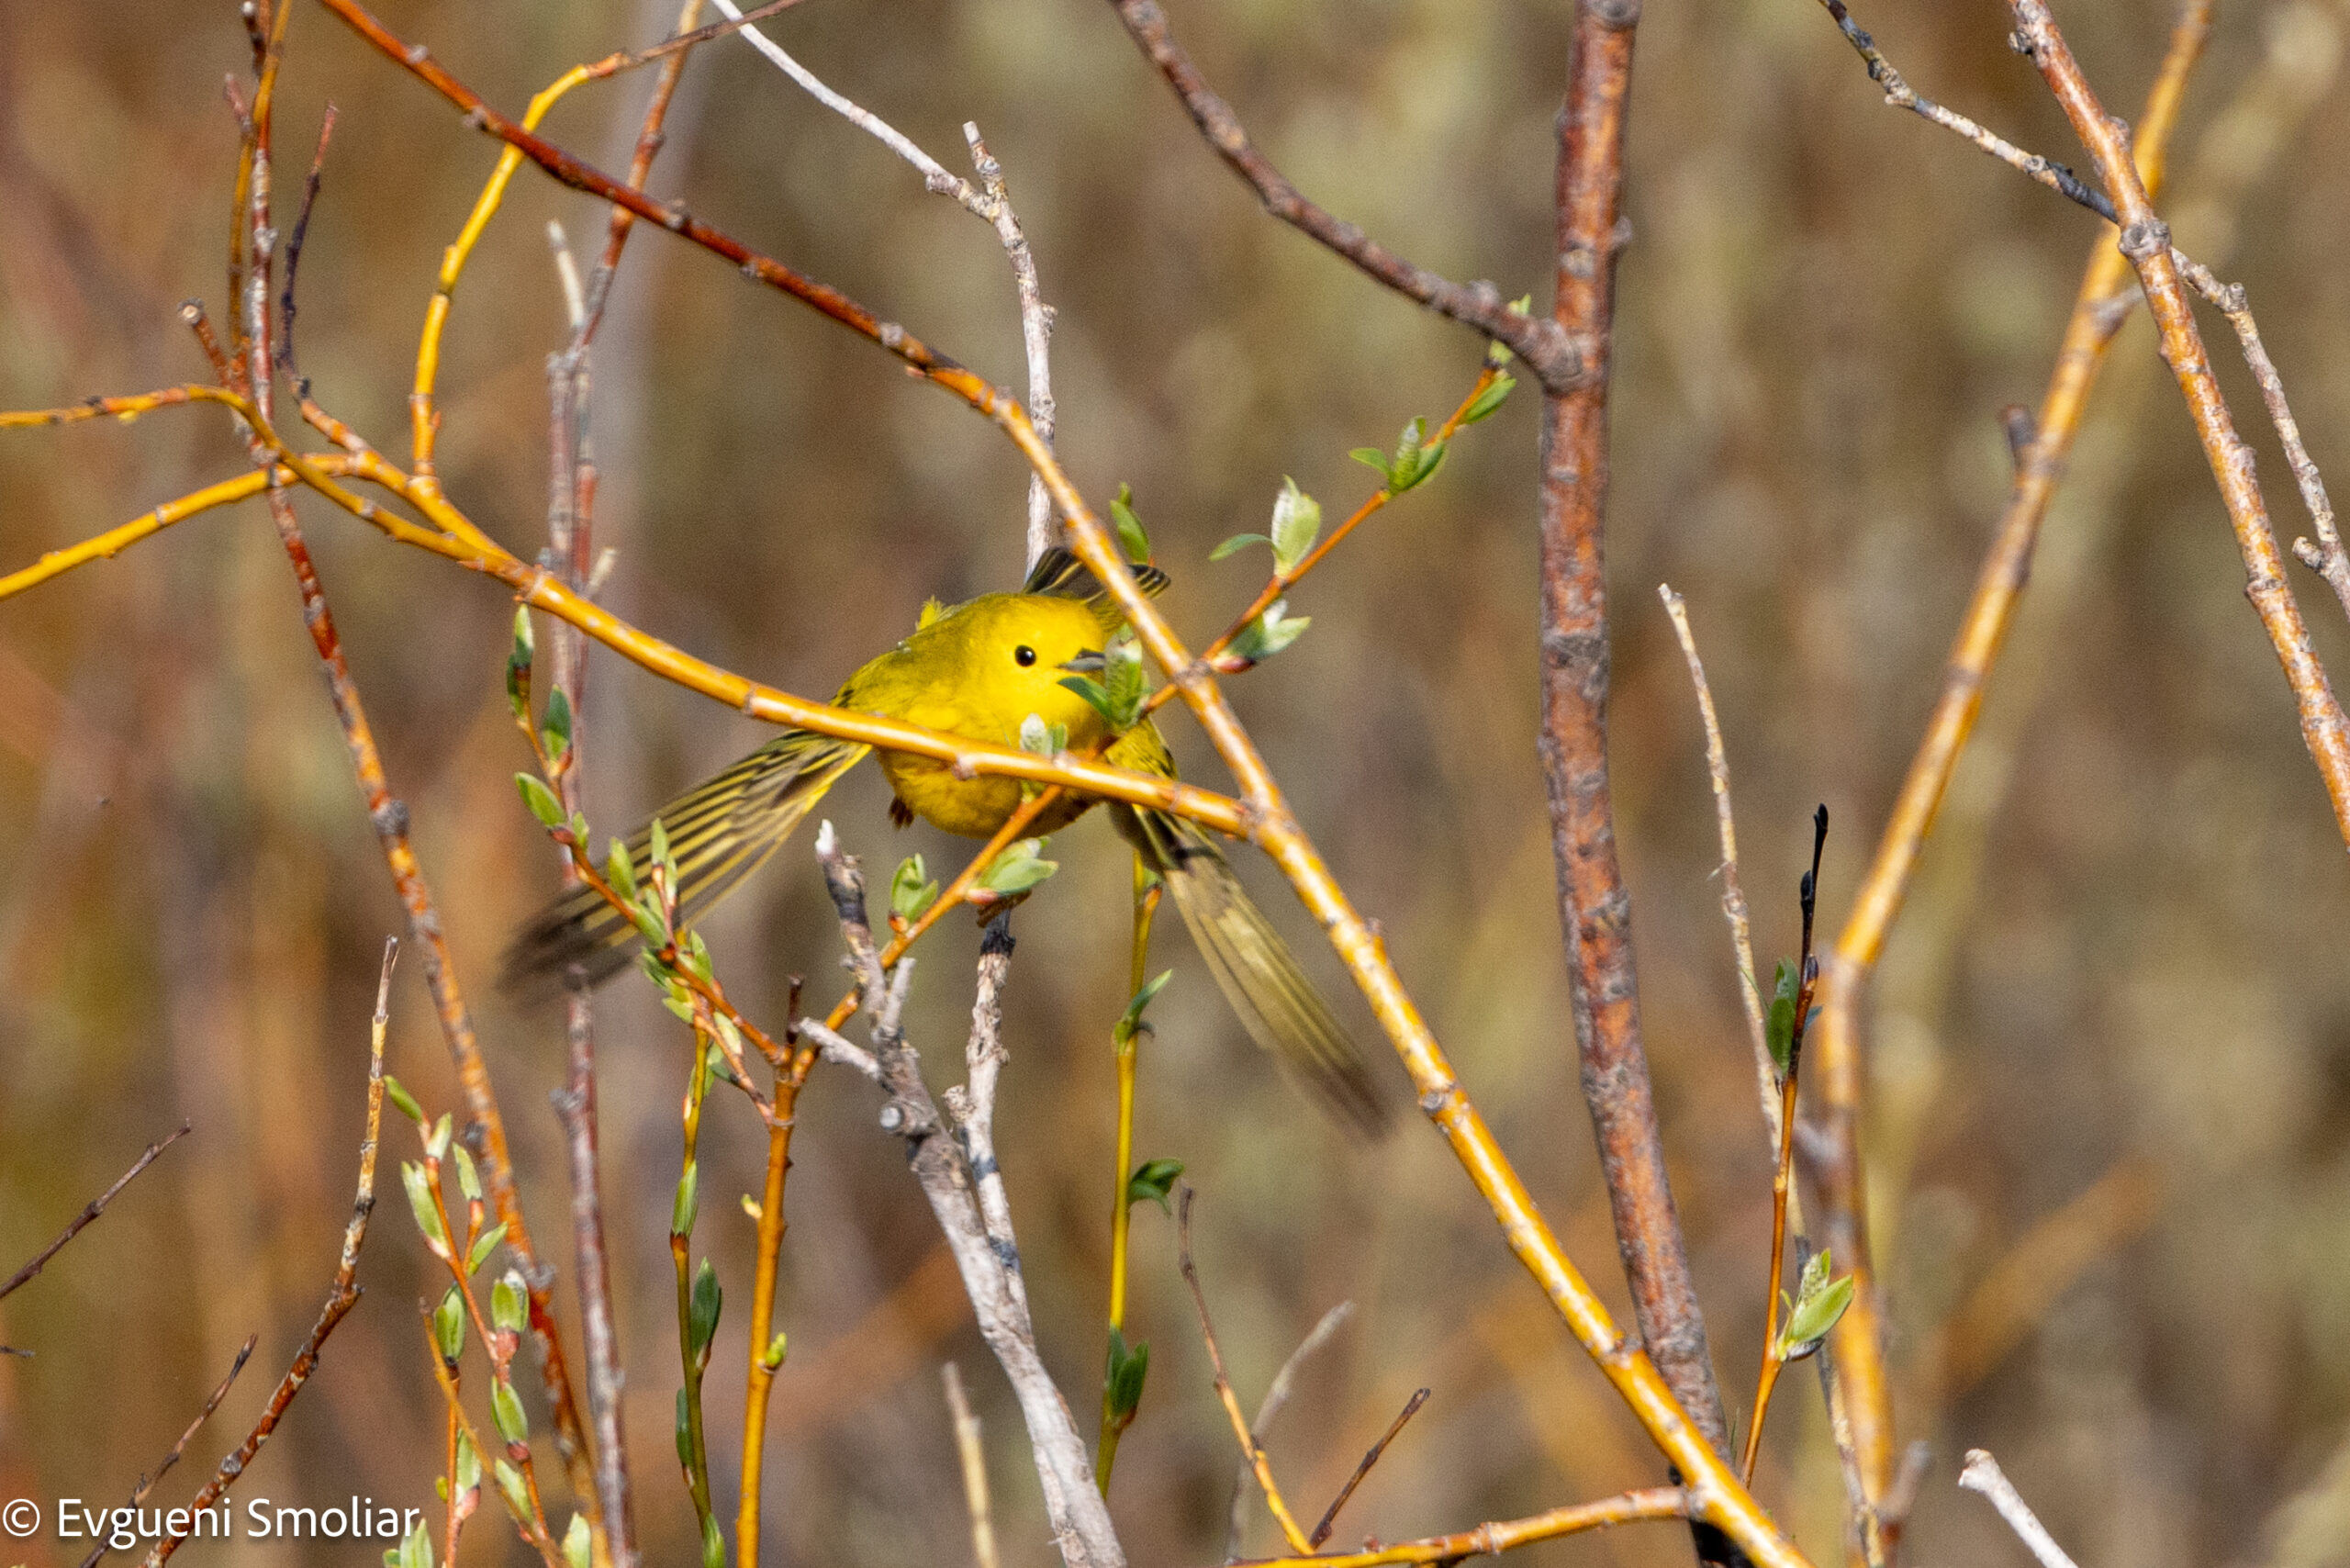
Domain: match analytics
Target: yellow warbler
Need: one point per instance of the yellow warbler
(982, 669)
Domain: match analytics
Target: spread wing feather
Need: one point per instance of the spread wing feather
(719, 833)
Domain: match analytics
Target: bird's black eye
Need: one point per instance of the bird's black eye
(1024, 656)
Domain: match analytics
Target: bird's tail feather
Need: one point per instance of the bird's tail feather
(1255, 968)
(719, 833)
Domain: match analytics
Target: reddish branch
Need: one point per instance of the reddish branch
(1593, 902)
(486, 1128)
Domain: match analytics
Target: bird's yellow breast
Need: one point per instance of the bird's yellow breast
(980, 670)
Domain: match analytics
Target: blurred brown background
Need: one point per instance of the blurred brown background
(2121, 976)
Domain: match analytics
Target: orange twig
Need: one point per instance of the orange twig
(1506, 1535)
(1856, 1348)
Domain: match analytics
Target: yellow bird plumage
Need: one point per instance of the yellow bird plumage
(978, 669)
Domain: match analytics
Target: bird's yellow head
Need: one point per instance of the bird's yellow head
(994, 661)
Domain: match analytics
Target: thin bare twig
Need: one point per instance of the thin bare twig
(147, 1483)
(1507, 1535)
(96, 1207)
(1276, 1396)
(1330, 1515)
(1742, 936)
(342, 1296)
(975, 1467)
(1253, 1451)
(990, 203)
(1983, 1474)
(1548, 350)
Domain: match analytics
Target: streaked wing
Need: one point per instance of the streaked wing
(1255, 968)
(719, 833)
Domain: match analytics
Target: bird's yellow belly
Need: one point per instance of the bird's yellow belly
(972, 807)
(976, 808)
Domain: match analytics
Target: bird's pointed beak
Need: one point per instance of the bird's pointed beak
(1090, 662)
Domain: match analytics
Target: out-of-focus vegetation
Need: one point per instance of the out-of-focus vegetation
(2123, 963)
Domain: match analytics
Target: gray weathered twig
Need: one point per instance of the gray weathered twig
(1983, 1474)
(986, 1255)
(989, 203)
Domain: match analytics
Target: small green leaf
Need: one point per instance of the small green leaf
(657, 841)
(1413, 462)
(684, 1434)
(701, 1316)
(1096, 694)
(554, 732)
(1270, 632)
(689, 1200)
(619, 871)
(484, 1245)
(576, 1542)
(1131, 533)
(1779, 1026)
(449, 1324)
(1374, 459)
(1490, 400)
(436, 1141)
(1128, 1368)
(1237, 543)
(468, 1179)
(415, 1549)
(419, 1199)
(1018, 868)
(1816, 1314)
(468, 1462)
(540, 798)
(776, 1348)
(510, 1303)
(1152, 1180)
(649, 922)
(518, 1497)
(1129, 1023)
(403, 1101)
(1297, 522)
(713, 1543)
(505, 1409)
(911, 890)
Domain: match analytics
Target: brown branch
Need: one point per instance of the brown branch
(1901, 96)
(1550, 352)
(1330, 1515)
(96, 1207)
(1593, 905)
(147, 1483)
(342, 1296)
(486, 1130)
(1860, 1391)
